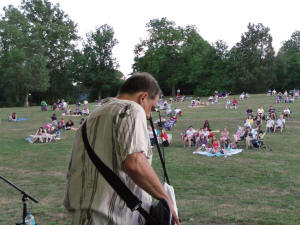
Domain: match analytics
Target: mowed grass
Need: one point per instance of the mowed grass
(253, 187)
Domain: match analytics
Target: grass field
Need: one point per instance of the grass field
(253, 187)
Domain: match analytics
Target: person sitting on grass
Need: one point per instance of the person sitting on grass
(189, 136)
(249, 121)
(13, 117)
(202, 143)
(224, 139)
(177, 112)
(164, 138)
(239, 135)
(287, 112)
(44, 106)
(248, 137)
(228, 104)
(61, 124)
(206, 125)
(280, 123)
(54, 106)
(234, 103)
(78, 111)
(69, 125)
(215, 145)
(270, 125)
(38, 136)
(258, 122)
(261, 112)
(272, 112)
(53, 117)
(249, 111)
(85, 111)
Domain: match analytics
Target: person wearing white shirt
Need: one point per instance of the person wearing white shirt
(270, 125)
(280, 124)
(261, 112)
(287, 112)
(189, 135)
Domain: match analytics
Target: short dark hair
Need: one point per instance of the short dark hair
(141, 81)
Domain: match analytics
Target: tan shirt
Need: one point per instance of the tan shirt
(115, 130)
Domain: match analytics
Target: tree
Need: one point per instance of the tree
(288, 63)
(57, 33)
(22, 57)
(253, 59)
(160, 53)
(97, 66)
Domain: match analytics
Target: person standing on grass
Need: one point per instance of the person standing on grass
(117, 131)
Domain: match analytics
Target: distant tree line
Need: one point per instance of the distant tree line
(40, 58)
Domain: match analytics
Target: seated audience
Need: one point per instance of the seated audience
(151, 136)
(249, 111)
(261, 112)
(270, 125)
(202, 142)
(206, 125)
(53, 117)
(228, 104)
(234, 103)
(239, 135)
(61, 124)
(44, 106)
(69, 125)
(85, 111)
(189, 136)
(13, 117)
(272, 112)
(280, 123)
(216, 147)
(38, 135)
(224, 139)
(164, 137)
(258, 122)
(287, 111)
(249, 121)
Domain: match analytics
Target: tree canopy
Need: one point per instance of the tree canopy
(42, 54)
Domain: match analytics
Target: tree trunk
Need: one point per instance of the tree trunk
(26, 103)
(173, 90)
(17, 99)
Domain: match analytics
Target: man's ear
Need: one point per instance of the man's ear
(141, 97)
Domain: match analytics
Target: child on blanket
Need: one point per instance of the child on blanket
(202, 143)
(216, 147)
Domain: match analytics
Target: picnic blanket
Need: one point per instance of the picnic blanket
(219, 154)
(20, 119)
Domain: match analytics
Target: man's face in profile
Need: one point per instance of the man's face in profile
(149, 104)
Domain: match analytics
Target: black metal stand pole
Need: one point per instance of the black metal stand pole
(159, 152)
(160, 129)
(25, 198)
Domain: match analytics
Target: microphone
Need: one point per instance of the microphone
(155, 109)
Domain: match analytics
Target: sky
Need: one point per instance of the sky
(216, 20)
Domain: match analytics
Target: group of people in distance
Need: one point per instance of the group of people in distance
(205, 139)
(52, 131)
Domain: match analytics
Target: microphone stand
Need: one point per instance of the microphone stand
(160, 129)
(159, 152)
(25, 198)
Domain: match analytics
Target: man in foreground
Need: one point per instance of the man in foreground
(117, 131)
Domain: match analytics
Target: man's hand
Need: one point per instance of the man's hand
(140, 171)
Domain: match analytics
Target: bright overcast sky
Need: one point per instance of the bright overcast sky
(215, 19)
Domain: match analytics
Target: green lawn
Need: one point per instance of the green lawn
(253, 187)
